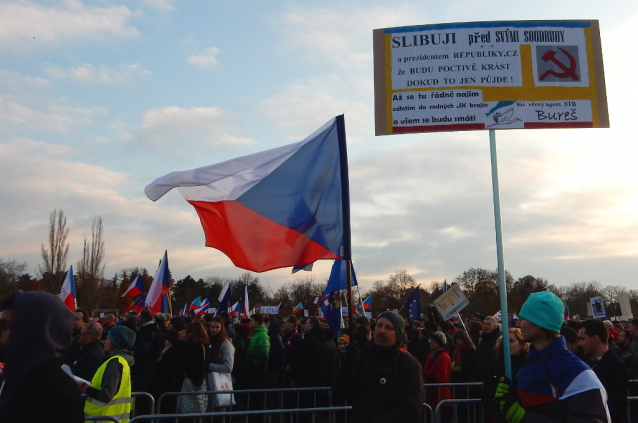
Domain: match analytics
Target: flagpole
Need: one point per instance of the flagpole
(499, 254)
(345, 206)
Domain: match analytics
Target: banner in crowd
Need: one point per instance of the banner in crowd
(625, 307)
(451, 302)
(489, 75)
(269, 310)
(598, 307)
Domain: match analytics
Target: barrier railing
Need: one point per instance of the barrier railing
(428, 413)
(199, 417)
(289, 398)
(243, 397)
(477, 416)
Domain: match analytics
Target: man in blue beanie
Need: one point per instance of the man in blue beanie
(553, 385)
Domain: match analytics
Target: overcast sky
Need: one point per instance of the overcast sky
(99, 98)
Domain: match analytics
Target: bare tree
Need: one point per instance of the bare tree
(90, 268)
(54, 258)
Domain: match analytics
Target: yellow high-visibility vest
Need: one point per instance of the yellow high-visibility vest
(120, 405)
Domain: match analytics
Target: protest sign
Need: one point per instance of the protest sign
(489, 75)
(451, 302)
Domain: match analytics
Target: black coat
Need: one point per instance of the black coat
(389, 386)
(45, 394)
(613, 374)
(35, 387)
(310, 362)
(89, 360)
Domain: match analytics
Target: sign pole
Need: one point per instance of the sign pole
(460, 319)
(499, 254)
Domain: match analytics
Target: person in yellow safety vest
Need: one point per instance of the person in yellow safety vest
(110, 391)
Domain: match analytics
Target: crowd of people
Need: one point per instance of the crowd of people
(386, 368)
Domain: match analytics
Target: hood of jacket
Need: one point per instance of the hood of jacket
(127, 355)
(40, 331)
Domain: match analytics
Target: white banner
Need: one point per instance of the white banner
(269, 310)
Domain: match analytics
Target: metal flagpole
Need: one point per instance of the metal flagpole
(499, 254)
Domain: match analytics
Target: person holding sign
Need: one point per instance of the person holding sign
(553, 385)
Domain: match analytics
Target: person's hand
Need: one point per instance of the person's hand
(82, 386)
(455, 368)
(511, 410)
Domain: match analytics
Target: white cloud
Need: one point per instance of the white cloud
(56, 118)
(103, 75)
(164, 5)
(319, 33)
(176, 124)
(25, 24)
(206, 59)
(305, 105)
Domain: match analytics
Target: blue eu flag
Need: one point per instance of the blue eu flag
(413, 304)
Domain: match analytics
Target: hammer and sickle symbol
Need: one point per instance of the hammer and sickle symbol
(567, 72)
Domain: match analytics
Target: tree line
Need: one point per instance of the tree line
(94, 291)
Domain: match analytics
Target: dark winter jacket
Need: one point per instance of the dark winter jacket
(486, 351)
(168, 377)
(613, 374)
(310, 363)
(276, 353)
(89, 360)
(40, 331)
(389, 387)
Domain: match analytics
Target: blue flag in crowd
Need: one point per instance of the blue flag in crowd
(413, 304)
(331, 307)
(226, 300)
(338, 277)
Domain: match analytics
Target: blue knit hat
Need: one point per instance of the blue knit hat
(122, 337)
(544, 309)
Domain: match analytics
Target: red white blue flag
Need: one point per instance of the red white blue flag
(197, 303)
(135, 288)
(67, 293)
(367, 303)
(160, 286)
(243, 300)
(298, 308)
(283, 207)
(138, 305)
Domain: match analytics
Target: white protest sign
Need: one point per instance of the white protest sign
(625, 307)
(269, 310)
(451, 302)
(597, 307)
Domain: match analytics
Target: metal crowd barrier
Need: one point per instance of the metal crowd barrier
(239, 395)
(476, 417)
(199, 417)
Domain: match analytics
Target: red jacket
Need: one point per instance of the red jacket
(437, 370)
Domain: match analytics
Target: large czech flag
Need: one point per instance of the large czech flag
(278, 208)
